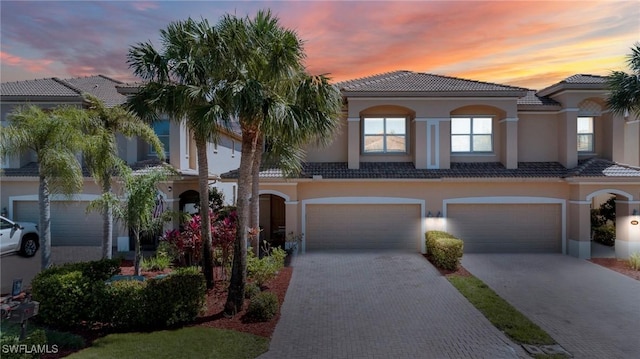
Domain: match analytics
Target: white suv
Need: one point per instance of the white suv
(21, 237)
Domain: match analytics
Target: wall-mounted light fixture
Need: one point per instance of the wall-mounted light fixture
(439, 215)
(429, 215)
(4, 212)
(635, 212)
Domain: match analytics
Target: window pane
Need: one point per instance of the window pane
(482, 143)
(373, 126)
(460, 143)
(460, 126)
(373, 143)
(585, 143)
(482, 125)
(396, 126)
(585, 124)
(396, 143)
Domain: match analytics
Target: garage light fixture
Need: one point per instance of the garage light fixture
(439, 215)
(635, 212)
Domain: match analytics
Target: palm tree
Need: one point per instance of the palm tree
(265, 85)
(178, 82)
(55, 137)
(624, 97)
(101, 155)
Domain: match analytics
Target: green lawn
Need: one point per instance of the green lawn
(500, 313)
(192, 342)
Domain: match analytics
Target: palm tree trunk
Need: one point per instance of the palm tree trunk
(138, 255)
(45, 223)
(255, 194)
(238, 280)
(107, 224)
(205, 223)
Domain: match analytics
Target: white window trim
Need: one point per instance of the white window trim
(471, 151)
(592, 134)
(384, 135)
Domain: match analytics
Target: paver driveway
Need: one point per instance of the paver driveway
(352, 304)
(591, 311)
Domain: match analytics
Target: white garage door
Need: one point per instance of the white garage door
(505, 228)
(70, 224)
(363, 226)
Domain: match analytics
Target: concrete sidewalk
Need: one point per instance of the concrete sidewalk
(591, 311)
(351, 304)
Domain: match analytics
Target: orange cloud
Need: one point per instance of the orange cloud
(30, 65)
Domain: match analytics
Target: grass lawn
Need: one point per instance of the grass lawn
(500, 313)
(191, 342)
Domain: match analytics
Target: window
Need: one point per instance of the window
(472, 134)
(385, 134)
(585, 134)
(161, 128)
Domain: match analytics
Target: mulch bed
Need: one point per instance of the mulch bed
(618, 265)
(214, 316)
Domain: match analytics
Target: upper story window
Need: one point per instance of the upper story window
(585, 134)
(471, 134)
(161, 128)
(385, 134)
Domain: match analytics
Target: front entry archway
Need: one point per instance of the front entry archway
(273, 219)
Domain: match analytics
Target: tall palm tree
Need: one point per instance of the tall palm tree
(101, 154)
(55, 137)
(178, 79)
(265, 85)
(624, 97)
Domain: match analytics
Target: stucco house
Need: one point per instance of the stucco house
(77, 235)
(504, 168)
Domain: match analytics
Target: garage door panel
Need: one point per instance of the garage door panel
(362, 226)
(507, 228)
(70, 224)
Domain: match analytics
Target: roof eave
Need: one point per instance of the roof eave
(471, 94)
(563, 86)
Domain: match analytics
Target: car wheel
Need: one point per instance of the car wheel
(29, 246)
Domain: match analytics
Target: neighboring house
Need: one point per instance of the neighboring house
(76, 234)
(506, 169)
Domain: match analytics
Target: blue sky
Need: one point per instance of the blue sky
(529, 44)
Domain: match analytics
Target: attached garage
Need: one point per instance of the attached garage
(507, 227)
(70, 224)
(363, 226)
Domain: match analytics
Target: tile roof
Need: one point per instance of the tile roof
(585, 79)
(531, 98)
(418, 83)
(576, 82)
(406, 170)
(100, 86)
(49, 87)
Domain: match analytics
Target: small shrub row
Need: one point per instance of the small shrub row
(69, 298)
(634, 261)
(444, 250)
(261, 270)
(263, 307)
(605, 234)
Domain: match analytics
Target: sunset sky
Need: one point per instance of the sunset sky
(529, 44)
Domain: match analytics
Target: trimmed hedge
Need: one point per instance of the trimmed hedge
(444, 250)
(75, 295)
(263, 307)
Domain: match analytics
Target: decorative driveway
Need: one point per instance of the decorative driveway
(591, 311)
(353, 304)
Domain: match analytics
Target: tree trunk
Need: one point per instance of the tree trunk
(238, 280)
(138, 257)
(107, 224)
(255, 195)
(205, 223)
(45, 223)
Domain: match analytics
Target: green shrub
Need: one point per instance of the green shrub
(263, 307)
(158, 262)
(123, 305)
(64, 340)
(63, 297)
(605, 234)
(251, 290)
(36, 337)
(261, 270)
(444, 250)
(634, 261)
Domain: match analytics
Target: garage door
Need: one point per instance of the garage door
(363, 226)
(504, 228)
(70, 224)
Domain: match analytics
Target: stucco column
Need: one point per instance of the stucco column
(421, 143)
(568, 137)
(291, 217)
(627, 228)
(579, 236)
(510, 143)
(632, 142)
(618, 138)
(178, 145)
(353, 130)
